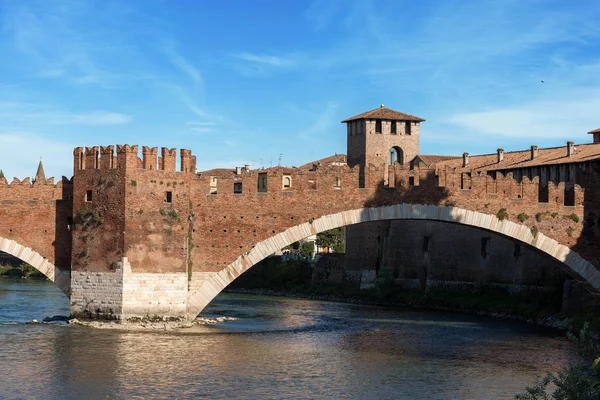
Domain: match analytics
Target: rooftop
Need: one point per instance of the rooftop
(336, 159)
(522, 158)
(384, 113)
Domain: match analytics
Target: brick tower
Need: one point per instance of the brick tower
(382, 136)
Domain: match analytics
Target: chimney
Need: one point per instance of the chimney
(247, 167)
(465, 159)
(238, 170)
(500, 155)
(570, 148)
(596, 133)
(534, 151)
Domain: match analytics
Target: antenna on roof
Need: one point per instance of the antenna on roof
(279, 162)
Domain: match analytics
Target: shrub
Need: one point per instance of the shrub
(573, 217)
(538, 217)
(534, 230)
(502, 214)
(523, 217)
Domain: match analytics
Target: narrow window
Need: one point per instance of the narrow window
(287, 182)
(338, 183)
(393, 128)
(169, 197)
(262, 182)
(237, 187)
(543, 196)
(378, 126)
(569, 196)
(88, 196)
(407, 128)
(411, 181)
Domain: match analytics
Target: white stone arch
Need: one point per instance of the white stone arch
(61, 278)
(575, 265)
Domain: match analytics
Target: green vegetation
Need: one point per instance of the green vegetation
(307, 249)
(578, 381)
(133, 182)
(87, 218)
(22, 271)
(573, 217)
(534, 230)
(332, 239)
(522, 217)
(502, 214)
(2, 174)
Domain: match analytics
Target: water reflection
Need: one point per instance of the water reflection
(279, 348)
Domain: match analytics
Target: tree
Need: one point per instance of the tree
(307, 249)
(332, 239)
(580, 381)
(1, 174)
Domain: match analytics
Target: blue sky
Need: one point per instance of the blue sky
(243, 82)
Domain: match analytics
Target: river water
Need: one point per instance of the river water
(278, 348)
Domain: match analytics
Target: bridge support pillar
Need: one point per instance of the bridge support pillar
(125, 295)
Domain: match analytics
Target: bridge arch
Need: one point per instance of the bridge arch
(575, 265)
(61, 278)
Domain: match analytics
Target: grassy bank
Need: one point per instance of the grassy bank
(21, 271)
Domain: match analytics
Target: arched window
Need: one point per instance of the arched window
(287, 182)
(395, 155)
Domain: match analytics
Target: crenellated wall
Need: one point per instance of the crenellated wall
(38, 216)
(143, 233)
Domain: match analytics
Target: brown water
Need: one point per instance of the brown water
(279, 348)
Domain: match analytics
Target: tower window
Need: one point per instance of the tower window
(237, 187)
(378, 126)
(88, 196)
(393, 128)
(407, 128)
(169, 197)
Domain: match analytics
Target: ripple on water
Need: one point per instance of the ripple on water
(278, 348)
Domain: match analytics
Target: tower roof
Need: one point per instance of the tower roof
(384, 113)
(595, 131)
(40, 175)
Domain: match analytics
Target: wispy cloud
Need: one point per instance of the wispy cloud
(269, 60)
(183, 64)
(203, 123)
(202, 130)
(40, 115)
(562, 117)
(323, 124)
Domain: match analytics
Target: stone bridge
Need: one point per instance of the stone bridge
(132, 236)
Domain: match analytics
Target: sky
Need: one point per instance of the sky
(261, 82)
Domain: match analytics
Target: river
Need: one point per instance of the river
(278, 348)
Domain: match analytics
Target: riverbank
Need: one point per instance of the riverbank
(538, 310)
(275, 277)
(25, 271)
